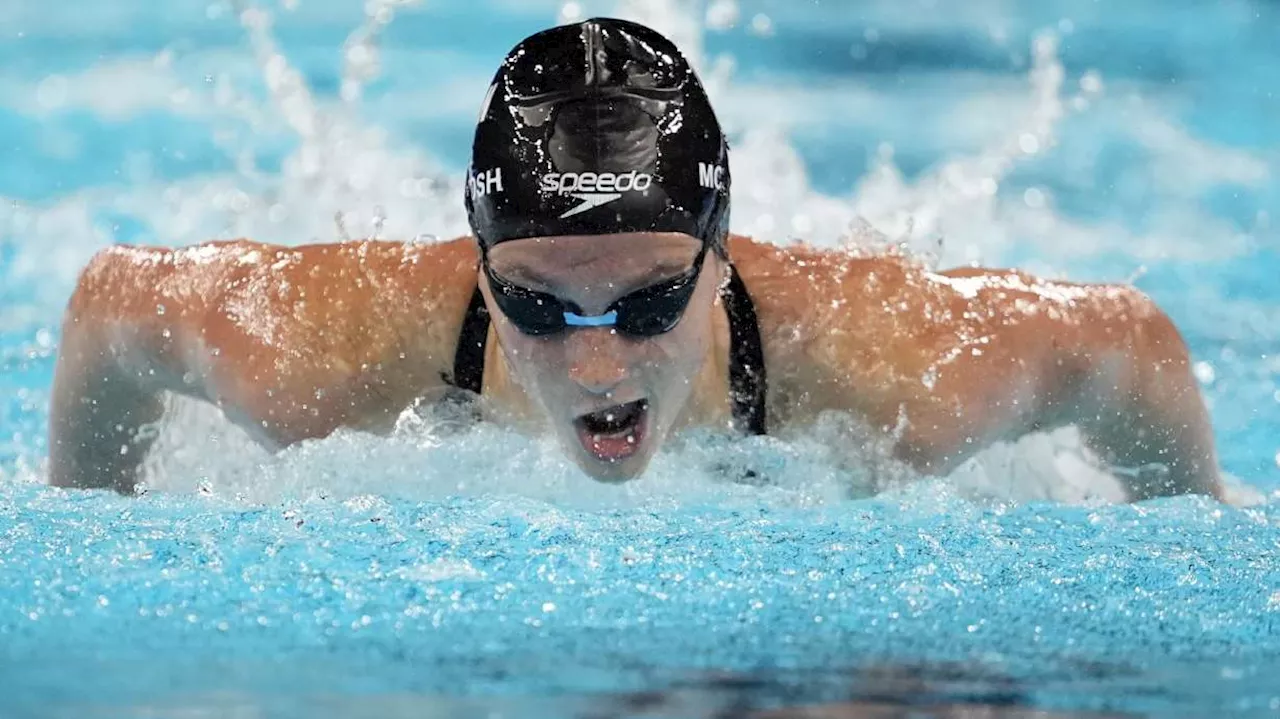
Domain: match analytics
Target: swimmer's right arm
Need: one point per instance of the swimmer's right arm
(291, 343)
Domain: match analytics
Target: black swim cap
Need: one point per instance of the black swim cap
(597, 128)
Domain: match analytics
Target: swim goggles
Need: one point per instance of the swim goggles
(646, 312)
(539, 110)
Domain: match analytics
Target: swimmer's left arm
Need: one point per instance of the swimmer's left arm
(1030, 355)
(1140, 407)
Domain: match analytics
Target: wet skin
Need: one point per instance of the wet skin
(595, 370)
(293, 343)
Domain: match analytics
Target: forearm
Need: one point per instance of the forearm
(1150, 421)
(1156, 454)
(96, 411)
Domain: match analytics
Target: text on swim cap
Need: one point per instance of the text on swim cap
(710, 176)
(486, 183)
(569, 182)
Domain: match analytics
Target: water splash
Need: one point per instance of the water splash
(345, 167)
(377, 572)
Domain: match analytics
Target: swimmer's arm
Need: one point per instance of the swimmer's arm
(142, 322)
(229, 323)
(1117, 369)
(107, 382)
(1141, 410)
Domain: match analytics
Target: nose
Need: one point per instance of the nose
(596, 358)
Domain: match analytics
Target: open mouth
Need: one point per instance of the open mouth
(614, 433)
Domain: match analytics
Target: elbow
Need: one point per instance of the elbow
(93, 288)
(1133, 350)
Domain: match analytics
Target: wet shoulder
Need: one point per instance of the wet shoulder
(840, 329)
(813, 294)
(358, 299)
(1012, 297)
(139, 281)
(803, 293)
(346, 304)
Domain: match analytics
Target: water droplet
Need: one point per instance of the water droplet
(1205, 372)
(51, 93)
(1034, 198)
(570, 12)
(762, 25)
(1091, 82)
(722, 14)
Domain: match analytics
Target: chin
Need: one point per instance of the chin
(613, 472)
(617, 450)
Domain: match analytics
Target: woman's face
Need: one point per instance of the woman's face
(610, 397)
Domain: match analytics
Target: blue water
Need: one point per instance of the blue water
(426, 572)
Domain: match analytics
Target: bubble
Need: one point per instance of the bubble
(722, 14)
(802, 224)
(1091, 82)
(762, 25)
(570, 12)
(51, 94)
(360, 54)
(1205, 372)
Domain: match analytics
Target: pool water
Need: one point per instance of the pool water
(426, 573)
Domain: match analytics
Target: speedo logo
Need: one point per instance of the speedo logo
(594, 189)
(572, 182)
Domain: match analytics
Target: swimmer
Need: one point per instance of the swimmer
(602, 298)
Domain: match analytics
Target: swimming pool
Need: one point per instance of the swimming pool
(427, 572)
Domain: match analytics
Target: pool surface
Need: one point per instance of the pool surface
(454, 570)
